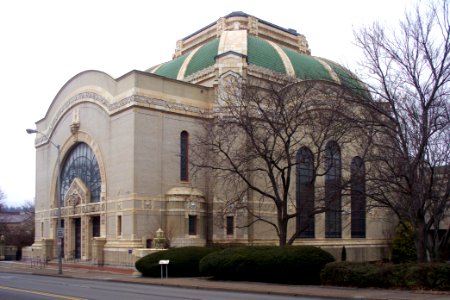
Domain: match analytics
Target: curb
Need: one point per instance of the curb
(122, 275)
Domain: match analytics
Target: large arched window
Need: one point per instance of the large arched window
(333, 226)
(184, 156)
(358, 198)
(305, 193)
(82, 163)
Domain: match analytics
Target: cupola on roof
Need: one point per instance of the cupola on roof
(259, 43)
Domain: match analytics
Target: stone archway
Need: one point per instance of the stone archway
(82, 209)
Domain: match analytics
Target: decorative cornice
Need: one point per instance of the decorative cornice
(117, 106)
(202, 74)
(72, 101)
(270, 75)
(230, 52)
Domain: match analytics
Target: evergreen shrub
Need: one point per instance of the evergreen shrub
(290, 264)
(403, 247)
(352, 274)
(183, 261)
(434, 276)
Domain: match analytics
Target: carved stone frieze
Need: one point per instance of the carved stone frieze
(258, 71)
(192, 207)
(78, 193)
(202, 74)
(220, 27)
(92, 207)
(75, 125)
(253, 26)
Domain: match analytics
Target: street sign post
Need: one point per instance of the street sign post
(165, 263)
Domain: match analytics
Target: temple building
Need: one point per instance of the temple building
(121, 170)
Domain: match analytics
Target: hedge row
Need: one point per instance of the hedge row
(412, 276)
(290, 264)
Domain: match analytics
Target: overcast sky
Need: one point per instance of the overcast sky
(45, 43)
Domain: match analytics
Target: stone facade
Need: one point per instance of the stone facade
(132, 126)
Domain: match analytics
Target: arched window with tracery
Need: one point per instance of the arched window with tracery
(81, 163)
(184, 156)
(358, 198)
(305, 193)
(333, 226)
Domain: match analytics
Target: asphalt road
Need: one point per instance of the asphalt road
(26, 286)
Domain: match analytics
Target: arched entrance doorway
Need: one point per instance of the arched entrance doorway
(80, 194)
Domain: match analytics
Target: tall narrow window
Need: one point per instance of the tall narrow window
(358, 198)
(96, 226)
(192, 225)
(184, 156)
(305, 193)
(230, 225)
(119, 225)
(333, 227)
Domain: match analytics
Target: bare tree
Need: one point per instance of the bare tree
(2, 199)
(21, 233)
(251, 146)
(3, 228)
(408, 73)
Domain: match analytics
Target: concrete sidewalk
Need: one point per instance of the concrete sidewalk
(118, 274)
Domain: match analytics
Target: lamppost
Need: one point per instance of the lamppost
(59, 230)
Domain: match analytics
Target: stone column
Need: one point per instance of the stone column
(98, 244)
(47, 248)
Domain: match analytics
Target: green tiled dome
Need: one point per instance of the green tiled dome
(307, 67)
(170, 69)
(203, 58)
(263, 54)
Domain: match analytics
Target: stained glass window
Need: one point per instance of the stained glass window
(305, 193)
(333, 227)
(358, 198)
(81, 163)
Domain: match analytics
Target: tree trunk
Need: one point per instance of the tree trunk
(421, 241)
(282, 225)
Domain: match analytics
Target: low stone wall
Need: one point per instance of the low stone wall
(8, 252)
(126, 257)
(119, 257)
(28, 253)
(360, 253)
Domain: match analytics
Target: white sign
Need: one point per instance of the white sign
(164, 262)
(60, 233)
